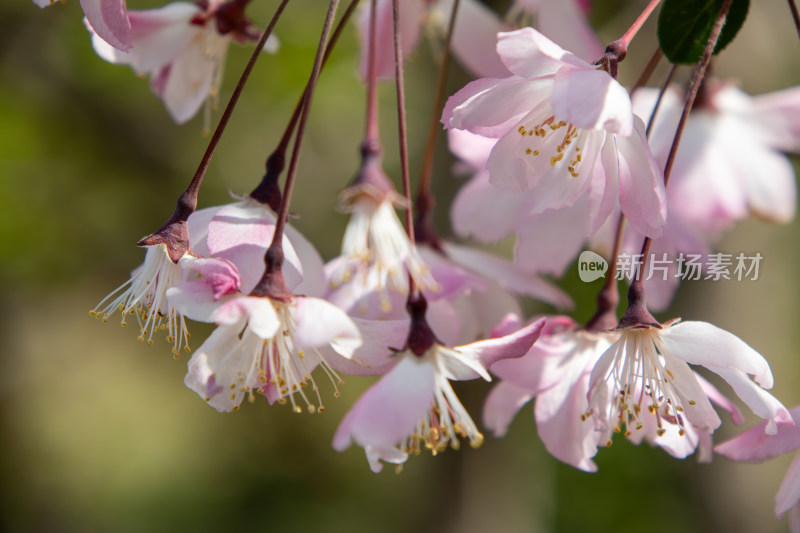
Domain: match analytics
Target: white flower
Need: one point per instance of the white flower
(646, 372)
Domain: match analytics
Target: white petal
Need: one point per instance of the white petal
(701, 343)
(502, 405)
(319, 323)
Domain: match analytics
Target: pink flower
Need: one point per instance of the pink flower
(566, 130)
(645, 373)
(756, 445)
(556, 372)
(182, 47)
(241, 232)
(729, 164)
(473, 40)
(414, 406)
(261, 343)
(144, 295)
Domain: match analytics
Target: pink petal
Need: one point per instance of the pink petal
(389, 410)
(262, 319)
(412, 13)
(719, 399)
(530, 54)
(109, 19)
(241, 233)
(485, 212)
(502, 405)
(491, 106)
(559, 410)
(592, 99)
(198, 229)
(381, 339)
(510, 346)
(755, 445)
(641, 184)
(550, 241)
(318, 323)
(789, 491)
(474, 37)
(507, 275)
(565, 23)
(469, 147)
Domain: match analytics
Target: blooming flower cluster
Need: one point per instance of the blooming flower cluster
(561, 156)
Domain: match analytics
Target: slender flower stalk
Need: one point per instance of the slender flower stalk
(268, 191)
(628, 36)
(687, 108)
(795, 15)
(272, 283)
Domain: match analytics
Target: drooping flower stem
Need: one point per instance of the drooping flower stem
(605, 317)
(648, 70)
(795, 15)
(425, 199)
(268, 191)
(628, 36)
(660, 97)
(272, 283)
(372, 132)
(637, 309)
(174, 232)
(420, 336)
(401, 124)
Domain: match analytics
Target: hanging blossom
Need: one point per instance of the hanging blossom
(413, 406)
(755, 446)
(377, 256)
(566, 131)
(144, 296)
(556, 372)
(182, 47)
(262, 345)
(645, 372)
(731, 163)
(562, 21)
(472, 43)
(108, 18)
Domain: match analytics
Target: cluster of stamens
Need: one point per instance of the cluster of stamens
(144, 296)
(377, 254)
(277, 363)
(547, 127)
(641, 382)
(445, 423)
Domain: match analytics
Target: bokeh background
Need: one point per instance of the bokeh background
(97, 431)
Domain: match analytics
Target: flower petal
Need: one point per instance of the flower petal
(109, 19)
(391, 408)
(318, 323)
(755, 445)
(701, 343)
(502, 405)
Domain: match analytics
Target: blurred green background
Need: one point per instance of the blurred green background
(98, 433)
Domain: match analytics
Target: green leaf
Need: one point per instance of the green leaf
(684, 27)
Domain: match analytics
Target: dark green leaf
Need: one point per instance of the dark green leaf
(684, 27)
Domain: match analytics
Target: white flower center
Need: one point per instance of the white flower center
(640, 384)
(276, 362)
